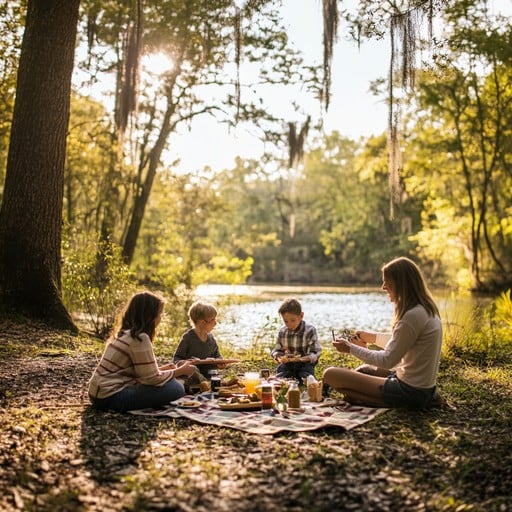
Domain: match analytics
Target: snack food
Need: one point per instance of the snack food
(230, 391)
(188, 403)
(239, 402)
(291, 358)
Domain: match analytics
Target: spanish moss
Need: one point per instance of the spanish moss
(330, 17)
(129, 82)
(404, 30)
(238, 57)
(296, 143)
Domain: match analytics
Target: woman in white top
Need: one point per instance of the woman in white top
(404, 372)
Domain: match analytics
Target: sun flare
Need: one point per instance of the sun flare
(157, 63)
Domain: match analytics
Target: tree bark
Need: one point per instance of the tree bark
(31, 211)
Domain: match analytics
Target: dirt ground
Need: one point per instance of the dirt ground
(57, 454)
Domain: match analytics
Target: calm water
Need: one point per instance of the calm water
(248, 313)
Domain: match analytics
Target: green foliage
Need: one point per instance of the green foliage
(11, 29)
(180, 246)
(503, 305)
(458, 147)
(224, 269)
(481, 338)
(95, 284)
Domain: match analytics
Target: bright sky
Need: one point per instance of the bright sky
(353, 111)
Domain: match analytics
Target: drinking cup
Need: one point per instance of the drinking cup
(252, 379)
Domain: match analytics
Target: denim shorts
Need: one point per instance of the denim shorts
(397, 393)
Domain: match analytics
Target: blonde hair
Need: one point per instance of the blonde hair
(201, 311)
(409, 287)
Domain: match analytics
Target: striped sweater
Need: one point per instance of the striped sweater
(127, 361)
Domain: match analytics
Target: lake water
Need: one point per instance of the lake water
(248, 313)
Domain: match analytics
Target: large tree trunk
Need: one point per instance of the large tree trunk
(31, 212)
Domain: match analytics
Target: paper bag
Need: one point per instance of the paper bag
(314, 389)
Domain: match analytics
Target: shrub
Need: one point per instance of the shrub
(96, 283)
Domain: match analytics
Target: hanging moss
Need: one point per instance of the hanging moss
(129, 81)
(330, 17)
(238, 56)
(296, 143)
(404, 30)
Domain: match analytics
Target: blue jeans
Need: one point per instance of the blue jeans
(295, 370)
(140, 396)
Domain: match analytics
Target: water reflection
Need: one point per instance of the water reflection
(249, 313)
(256, 317)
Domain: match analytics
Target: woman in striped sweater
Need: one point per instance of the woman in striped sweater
(128, 376)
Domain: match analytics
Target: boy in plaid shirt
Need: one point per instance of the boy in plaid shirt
(297, 348)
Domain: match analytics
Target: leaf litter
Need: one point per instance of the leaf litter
(58, 454)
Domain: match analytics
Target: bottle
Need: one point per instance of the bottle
(294, 396)
(266, 395)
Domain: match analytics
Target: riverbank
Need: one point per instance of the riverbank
(56, 454)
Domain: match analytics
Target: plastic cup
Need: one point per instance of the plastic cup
(252, 379)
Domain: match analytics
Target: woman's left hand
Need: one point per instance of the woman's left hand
(341, 345)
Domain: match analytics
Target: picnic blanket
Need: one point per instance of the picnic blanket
(311, 416)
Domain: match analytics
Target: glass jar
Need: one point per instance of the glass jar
(266, 395)
(294, 396)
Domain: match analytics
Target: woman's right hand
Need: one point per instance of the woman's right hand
(187, 369)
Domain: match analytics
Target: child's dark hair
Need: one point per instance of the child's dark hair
(290, 305)
(140, 314)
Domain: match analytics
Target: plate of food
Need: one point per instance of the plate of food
(187, 403)
(230, 391)
(239, 403)
(291, 358)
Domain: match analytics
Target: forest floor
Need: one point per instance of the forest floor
(57, 454)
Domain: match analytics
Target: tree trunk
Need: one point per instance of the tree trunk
(142, 197)
(31, 211)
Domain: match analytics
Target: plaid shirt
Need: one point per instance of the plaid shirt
(127, 361)
(304, 341)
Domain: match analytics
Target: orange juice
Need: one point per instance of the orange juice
(252, 379)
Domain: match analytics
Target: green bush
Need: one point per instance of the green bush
(486, 337)
(96, 283)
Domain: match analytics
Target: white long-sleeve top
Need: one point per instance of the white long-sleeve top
(413, 349)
